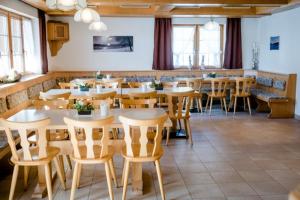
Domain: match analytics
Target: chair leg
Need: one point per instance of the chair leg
(189, 131)
(159, 176)
(221, 101)
(13, 182)
(225, 106)
(185, 127)
(200, 104)
(211, 102)
(207, 102)
(69, 161)
(26, 173)
(113, 172)
(108, 178)
(234, 108)
(62, 166)
(59, 172)
(244, 100)
(125, 179)
(168, 136)
(78, 176)
(74, 181)
(48, 181)
(249, 106)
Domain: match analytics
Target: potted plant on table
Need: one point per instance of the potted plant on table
(157, 85)
(99, 75)
(84, 86)
(84, 107)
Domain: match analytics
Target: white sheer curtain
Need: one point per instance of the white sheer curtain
(4, 48)
(183, 45)
(31, 64)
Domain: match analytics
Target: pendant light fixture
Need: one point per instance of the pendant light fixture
(98, 26)
(211, 25)
(87, 15)
(66, 5)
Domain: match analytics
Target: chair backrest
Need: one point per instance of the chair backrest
(89, 148)
(46, 96)
(67, 85)
(51, 104)
(102, 96)
(143, 95)
(138, 103)
(97, 103)
(179, 104)
(170, 84)
(243, 86)
(196, 84)
(219, 86)
(142, 147)
(24, 128)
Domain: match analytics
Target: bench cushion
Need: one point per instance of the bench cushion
(264, 95)
(279, 84)
(17, 98)
(146, 78)
(34, 91)
(49, 84)
(3, 138)
(129, 79)
(166, 79)
(264, 81)
(3, 105)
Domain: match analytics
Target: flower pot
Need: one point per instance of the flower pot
(86, 112)
(84, 89)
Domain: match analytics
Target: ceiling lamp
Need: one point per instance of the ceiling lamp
(211, 25)
(66, 5)
(98, 26)
(86, 15)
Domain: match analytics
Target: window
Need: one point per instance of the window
(16, 43)
(194, 46)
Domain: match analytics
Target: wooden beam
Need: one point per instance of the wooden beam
(40, 4)
(186, 2)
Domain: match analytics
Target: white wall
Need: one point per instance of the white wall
(20, 7)
(78, 53)
(287, 59)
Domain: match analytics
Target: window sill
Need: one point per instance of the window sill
(24, 79)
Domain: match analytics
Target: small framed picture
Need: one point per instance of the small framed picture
(274, 42)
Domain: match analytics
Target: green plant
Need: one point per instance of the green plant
(212, 75)
(84, 85)
(82, 106)
(157, 86)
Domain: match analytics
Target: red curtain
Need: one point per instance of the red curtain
(162, 56)
(43, 41)
(233, 49)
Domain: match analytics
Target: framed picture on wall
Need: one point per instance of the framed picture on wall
(274, 43)
(113, 43)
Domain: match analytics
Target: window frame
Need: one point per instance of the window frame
(10, 16)
(196, 57)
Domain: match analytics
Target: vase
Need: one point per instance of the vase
(85, 112)
(84, 89)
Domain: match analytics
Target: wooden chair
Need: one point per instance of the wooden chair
(218, 91)
(58, 135)
(170, 84)
(28, 156)
(67, 85)
(143, 95)
(103, 96)
(141, 150)
(243, 90)
(179, 104)
(138, 103)
(46, 96)
(138, 84)
(90, 151)
(196, 84)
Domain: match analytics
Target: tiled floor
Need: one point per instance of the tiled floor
(241, 158)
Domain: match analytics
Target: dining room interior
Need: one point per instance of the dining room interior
(150, 99)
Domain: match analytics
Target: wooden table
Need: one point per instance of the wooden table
(121, 92)
(57, 122)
